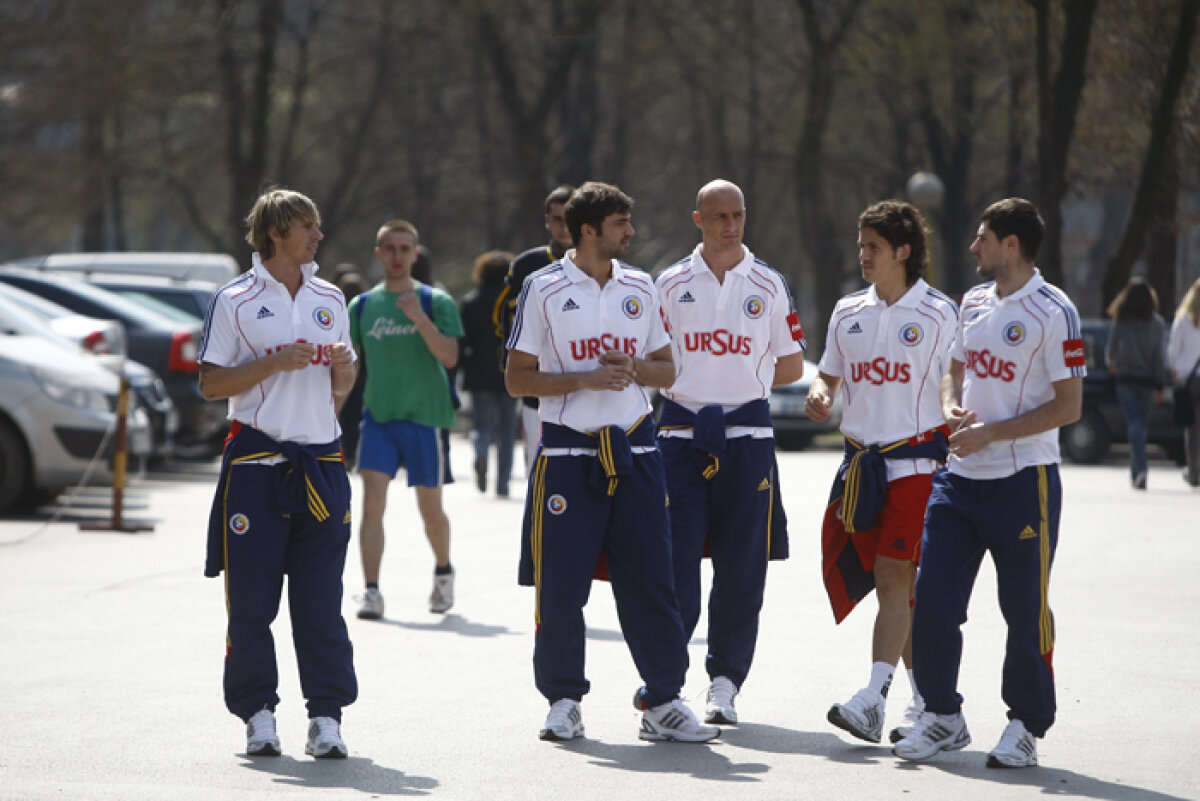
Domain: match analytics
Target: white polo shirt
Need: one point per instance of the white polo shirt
(566, 320)
(891, 360)
(1012, 350)
(255, 315)
(726, 336)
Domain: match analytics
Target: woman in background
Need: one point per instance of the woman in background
(1135, 355)
(1183, 355)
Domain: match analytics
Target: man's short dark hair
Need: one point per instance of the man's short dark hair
(900, 224)
(1015, 216)
(590, 204)
(561, 194)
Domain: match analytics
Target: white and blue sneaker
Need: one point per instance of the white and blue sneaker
(1017, 748)
(934, 733)
(673, 721)
(261, 739)
(565, 721)
(862, 715)
(325, 739)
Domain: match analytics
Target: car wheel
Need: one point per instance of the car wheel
(1086, 440)
(14, 465)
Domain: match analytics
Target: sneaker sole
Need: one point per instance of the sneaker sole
(370, 616)
(834, 716)
(899, 733)
(994, 762)
(658, 737)
(267, 750)
(954, 746)
(720, 718)
(551, 736)
(332, 753)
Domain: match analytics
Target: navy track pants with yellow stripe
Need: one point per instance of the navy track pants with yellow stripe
(262, 545)
(1016, 520)
(572, 521)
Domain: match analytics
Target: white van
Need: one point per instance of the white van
(217, 268)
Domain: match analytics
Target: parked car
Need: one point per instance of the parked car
(1101, 422)
(167, 347)
(793, 430)
(216, 268)
(56, 406)
(105, 339)
(190, 297)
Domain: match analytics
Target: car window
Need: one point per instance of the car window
(16, 321)
(159, 306)
(93, 301)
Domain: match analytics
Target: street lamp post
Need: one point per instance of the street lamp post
(926, 190)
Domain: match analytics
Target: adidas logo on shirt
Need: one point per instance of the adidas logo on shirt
(265, 312)
(687, 298)
(855, 328)
(570, 304)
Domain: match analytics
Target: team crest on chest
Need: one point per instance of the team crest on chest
(239, 524)
(323, 317)
(1014, 334)
(754, 307)
(556, 504)
(911, 334)
(632, 307)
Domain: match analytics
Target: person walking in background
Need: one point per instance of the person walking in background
(1135, 354)
(407, 334)
(887, 349)
(1183, 354)
(734, 334)
(351, 282)
(505, 310)
(587, 339)
(493, 410)
(275, 344)
(1016, 376)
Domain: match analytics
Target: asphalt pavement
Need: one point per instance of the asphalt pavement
(111, 647)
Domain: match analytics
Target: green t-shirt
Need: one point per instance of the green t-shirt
(404, 380)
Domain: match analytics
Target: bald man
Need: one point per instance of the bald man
(734, 334)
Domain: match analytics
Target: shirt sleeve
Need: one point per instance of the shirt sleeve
(787, 335)
(529, 325)
(446, 316)
(831, 360)
(1064, 357)
(220, 345)
(658, 336)
(354, 314)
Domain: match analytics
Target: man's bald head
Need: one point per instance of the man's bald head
(718, 188)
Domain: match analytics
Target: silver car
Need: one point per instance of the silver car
(57, 404)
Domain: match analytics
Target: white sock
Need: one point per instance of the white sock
(881, 677)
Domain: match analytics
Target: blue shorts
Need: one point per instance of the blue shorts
(385, 447)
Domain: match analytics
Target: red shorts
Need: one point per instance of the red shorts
(901, 522)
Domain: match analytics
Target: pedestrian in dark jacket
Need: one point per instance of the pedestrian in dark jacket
(1136, 355)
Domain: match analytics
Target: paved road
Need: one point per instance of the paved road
(111, 648)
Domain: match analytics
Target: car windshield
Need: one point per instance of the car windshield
(159, 306)
(17, 321)
(46, 309)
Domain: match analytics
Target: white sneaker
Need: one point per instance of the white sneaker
(673, 721)
(911, 716)
(934, 733)
(1017, 748)
(372, 604)
(442, 597)
(261, 739)
(862, 715)
(325, 739)
(565, 721)
(718, 707)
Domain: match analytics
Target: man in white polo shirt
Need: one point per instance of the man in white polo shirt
(734, 334)
(587, 339)
(275, 345)
(887, 349)
(1015, 377)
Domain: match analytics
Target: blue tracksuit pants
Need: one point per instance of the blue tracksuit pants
(261, 545)
(1016, 520)
(572, 521)
(730, 513)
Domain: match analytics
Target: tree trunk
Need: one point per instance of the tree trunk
(1117, 271)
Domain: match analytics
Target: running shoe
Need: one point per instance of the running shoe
(565, 721)
(261, 739)
(325, 739)
(718, 707)
(1017, 748)
(862, 715)
(934, 733)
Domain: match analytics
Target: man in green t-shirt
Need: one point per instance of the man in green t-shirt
(407, 334)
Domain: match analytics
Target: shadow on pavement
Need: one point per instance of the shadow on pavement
(1052, 781)
(452, 624)
(701, 761)
(355, 773)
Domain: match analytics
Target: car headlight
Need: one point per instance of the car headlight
(67, 388)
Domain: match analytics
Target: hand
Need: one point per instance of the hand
(969, 437)
(958, 417)
(616, 372)
(410, 304)
(339, 355)
(817, 406)
(295, 356)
